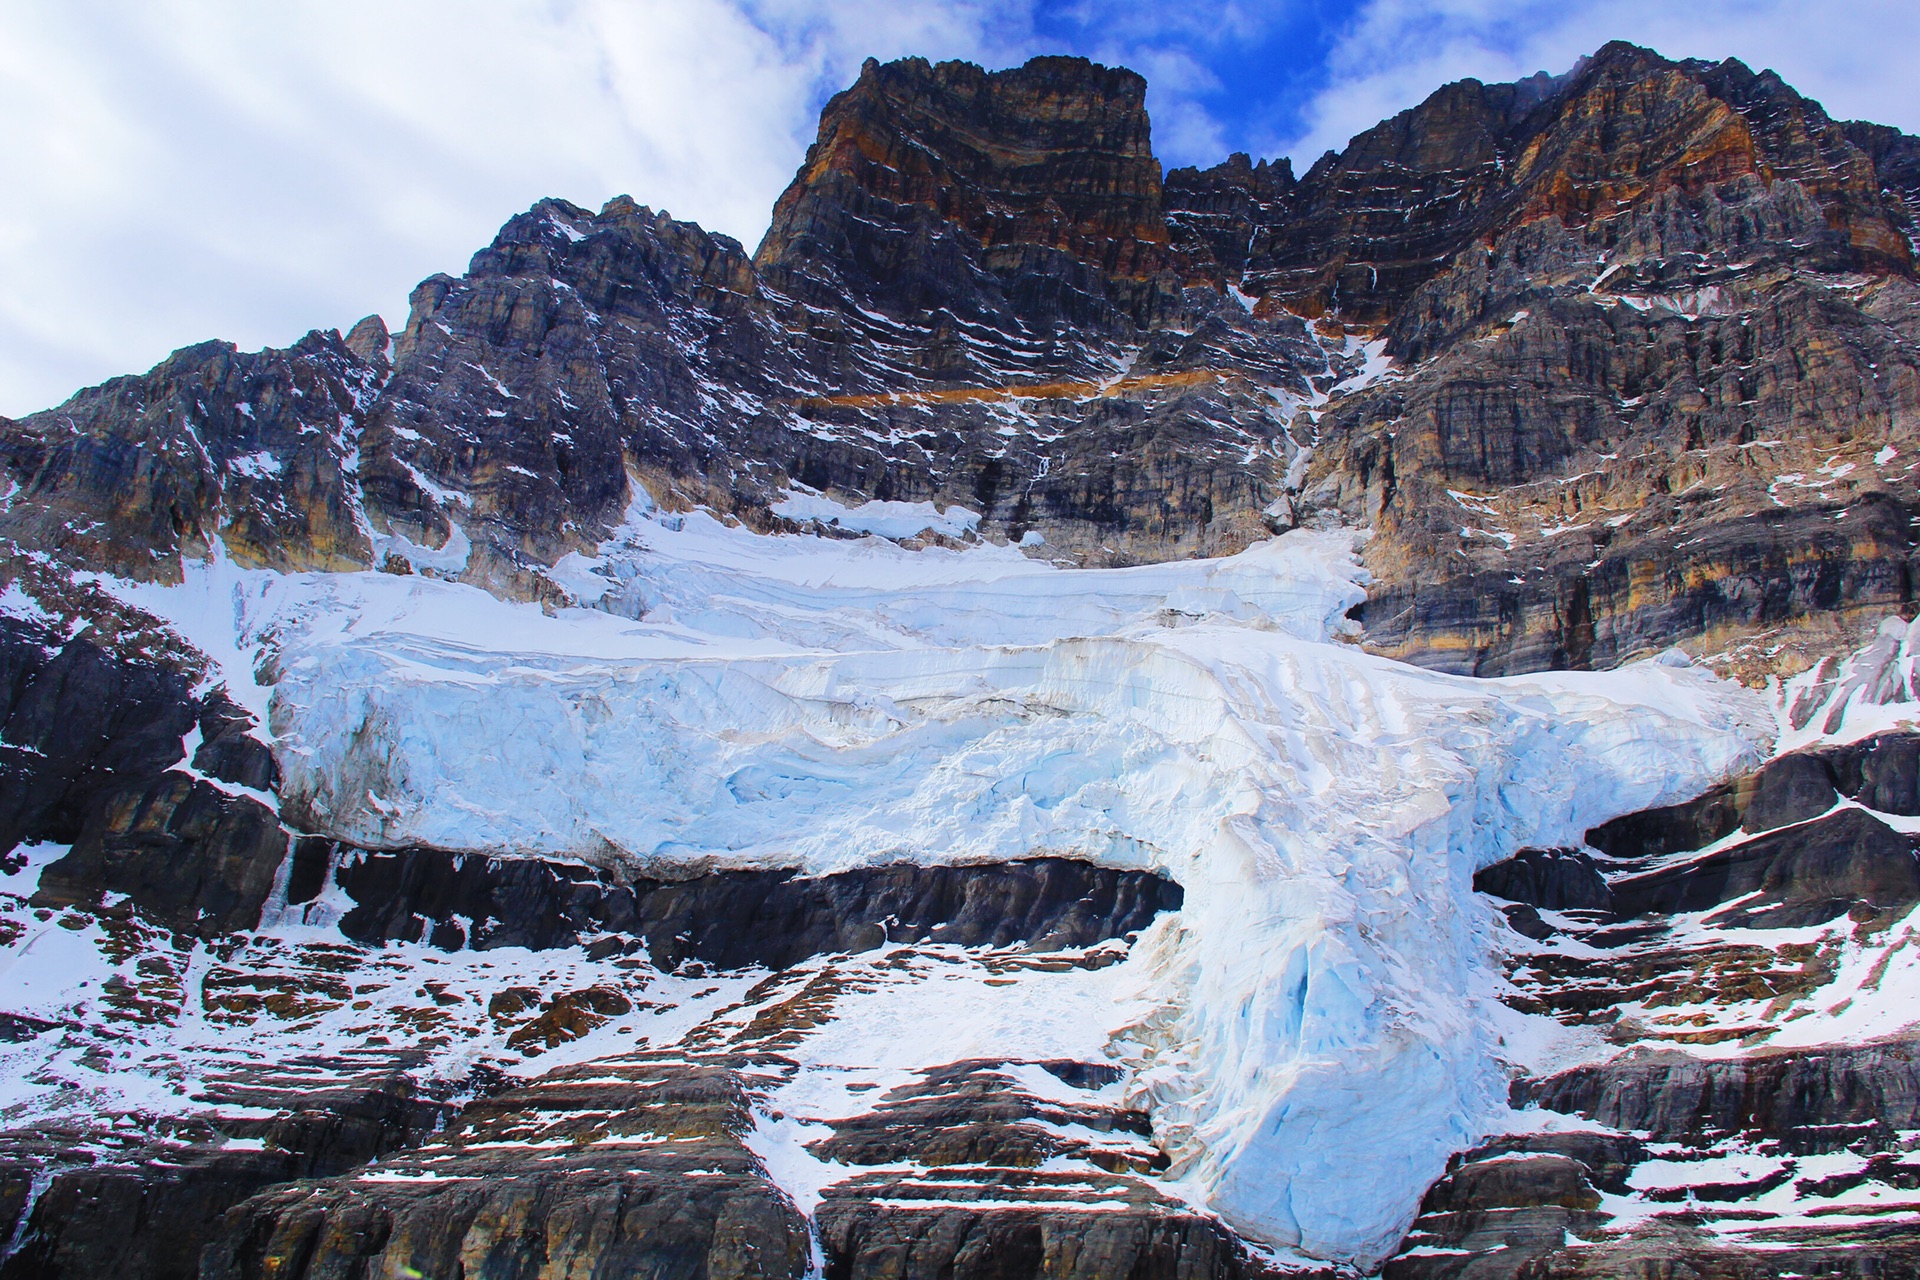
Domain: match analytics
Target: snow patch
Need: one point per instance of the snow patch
(256, 466)
(881, 519)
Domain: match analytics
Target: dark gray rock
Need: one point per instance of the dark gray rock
(1795, 788)
(1557, 879)
(736, 919)
(1881, 772)
(188, 855)
(1499, 1210)
(1808, 1100)
(1801, 875)
(79, 723)
(90, 744)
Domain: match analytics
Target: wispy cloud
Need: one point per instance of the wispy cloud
(184, 169)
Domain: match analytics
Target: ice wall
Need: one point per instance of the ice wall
(1320, 1042)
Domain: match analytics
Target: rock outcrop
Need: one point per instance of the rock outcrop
(647, 1163)
(141, 1200)
(1606, 362)
(94, 756)
(737, 919)
(621, 1167)
(989, 1169)
(253, 449)
(1787, 1155)
(928, 182)
(1653, 367)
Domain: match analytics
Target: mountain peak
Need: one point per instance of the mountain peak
(1019, 547)
(1055, 154)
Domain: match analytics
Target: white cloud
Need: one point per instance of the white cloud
(1855, 59)
(186, 169)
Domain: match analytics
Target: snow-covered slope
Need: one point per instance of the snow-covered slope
(1319, 1036)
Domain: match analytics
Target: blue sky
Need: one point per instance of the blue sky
(186, 169)
(1238, 78)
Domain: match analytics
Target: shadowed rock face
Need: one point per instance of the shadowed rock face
(1557, 879)
(1809, 859)
(1798, 876)
(1809, 1101)
(93, 756)
(736, 919)
(140, 1204)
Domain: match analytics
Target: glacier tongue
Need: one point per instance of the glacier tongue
(1321, 1039)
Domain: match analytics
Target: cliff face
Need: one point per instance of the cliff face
(255, 449)
(1045, 172)
(1586, 366)
(1676, 296)
(1653, 325)
(1366, 227)
(1677, 436)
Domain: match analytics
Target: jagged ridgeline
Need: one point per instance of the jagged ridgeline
(1070, 849)
(1607, 362)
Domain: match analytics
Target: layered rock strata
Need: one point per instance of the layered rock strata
(1728, 1139)
(140, 1199)
(1647, 326)
(648, 1163)
(1604, 362)
(635, 1167)
(997, 1168)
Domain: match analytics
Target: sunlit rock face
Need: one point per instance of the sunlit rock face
(1049, 720)
(1047, 165)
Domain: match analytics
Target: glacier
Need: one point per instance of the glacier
(1314, 1032)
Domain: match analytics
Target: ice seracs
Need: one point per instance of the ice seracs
(1316, 1040)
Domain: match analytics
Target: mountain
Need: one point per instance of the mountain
(1053, 719)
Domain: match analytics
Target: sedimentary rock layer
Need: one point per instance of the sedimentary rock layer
(1648, 373)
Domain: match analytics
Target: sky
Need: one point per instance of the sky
(177, 170)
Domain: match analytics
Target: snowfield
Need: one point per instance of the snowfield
(1315, 1032)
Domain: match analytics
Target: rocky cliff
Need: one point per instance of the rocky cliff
(1649, 366)
(688, 762)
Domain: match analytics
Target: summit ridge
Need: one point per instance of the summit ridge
(1053, 718)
